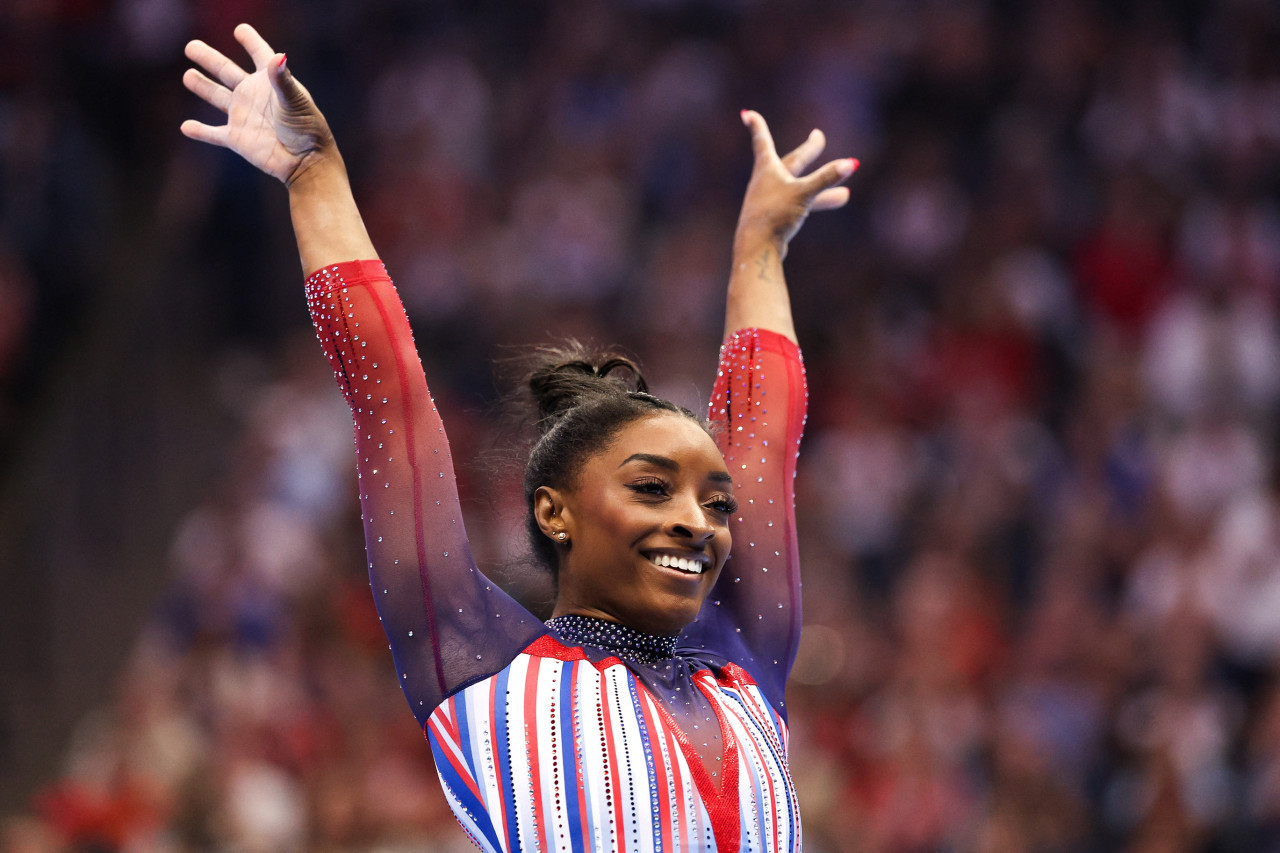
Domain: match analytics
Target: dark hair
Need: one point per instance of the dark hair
(582, 399)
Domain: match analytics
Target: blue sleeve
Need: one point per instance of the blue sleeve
(447, 623)
(752, 616)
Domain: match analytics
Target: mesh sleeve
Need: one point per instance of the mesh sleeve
(447, 623)
(752, 616)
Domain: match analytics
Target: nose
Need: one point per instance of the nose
(696, 534)
(689, 522)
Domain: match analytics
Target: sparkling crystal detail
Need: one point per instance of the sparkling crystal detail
(618, 639)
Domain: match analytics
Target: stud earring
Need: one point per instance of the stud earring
(561, 536)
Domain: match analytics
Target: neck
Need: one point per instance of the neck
(625, 642)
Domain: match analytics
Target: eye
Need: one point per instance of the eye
(724, 504)
(650, 487)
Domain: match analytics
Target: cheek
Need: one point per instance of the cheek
(622, 521)
(616, 522)
(724, 544)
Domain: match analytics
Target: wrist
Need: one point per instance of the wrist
(319, 172)
(326, 220)
(750, 244)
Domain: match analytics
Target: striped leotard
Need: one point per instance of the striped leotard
(579, 734)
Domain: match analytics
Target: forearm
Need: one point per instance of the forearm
(758, 411)
(778, 198)
(758, 296)
(326, 222)
(447, 624)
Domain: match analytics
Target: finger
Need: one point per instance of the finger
(288, 89)
(259, 51)
(828, 176)
(805, 153)
(830, 199)
(210, 92)
(761, 139)
(212, 61)
(202, 132)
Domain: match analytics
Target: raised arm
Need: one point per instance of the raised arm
(753, 615)
(274, 124)
(448, 625)
(778, 199)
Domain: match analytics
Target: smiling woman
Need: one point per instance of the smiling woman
(645, 524)
(648, 713)
(647, 536)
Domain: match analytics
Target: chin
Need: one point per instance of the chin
(675, 615)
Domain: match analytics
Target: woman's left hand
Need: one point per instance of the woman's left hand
(779, 197)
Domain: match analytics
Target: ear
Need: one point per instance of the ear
(550, 513)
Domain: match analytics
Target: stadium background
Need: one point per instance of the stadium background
(1038, 497)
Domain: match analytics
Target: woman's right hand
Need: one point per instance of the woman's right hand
(271, 119)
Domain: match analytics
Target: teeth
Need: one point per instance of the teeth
(681, 563)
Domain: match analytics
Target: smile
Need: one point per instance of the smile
(689, 565)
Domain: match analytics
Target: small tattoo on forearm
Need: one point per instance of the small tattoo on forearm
(762, 266)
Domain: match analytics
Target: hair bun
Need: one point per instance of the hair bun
(561, 377)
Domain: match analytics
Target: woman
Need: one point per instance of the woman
(648, 713)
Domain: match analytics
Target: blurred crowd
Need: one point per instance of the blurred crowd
(1040, 522)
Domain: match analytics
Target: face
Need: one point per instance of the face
(646, 526)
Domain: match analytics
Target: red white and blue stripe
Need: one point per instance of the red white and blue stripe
(543, 742)
(557, 753)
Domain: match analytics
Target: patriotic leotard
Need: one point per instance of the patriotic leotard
(579, 735)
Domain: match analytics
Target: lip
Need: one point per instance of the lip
(657, 558)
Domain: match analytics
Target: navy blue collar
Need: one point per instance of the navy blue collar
(626, 643)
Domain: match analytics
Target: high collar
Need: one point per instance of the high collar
(626, 643)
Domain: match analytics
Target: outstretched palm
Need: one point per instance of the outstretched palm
(271, 120)
(780, 196)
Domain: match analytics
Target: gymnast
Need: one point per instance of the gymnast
(648, 713)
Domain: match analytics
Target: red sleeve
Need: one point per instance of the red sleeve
(752, 616)
(448, 625)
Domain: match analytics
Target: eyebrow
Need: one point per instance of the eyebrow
(672, 465)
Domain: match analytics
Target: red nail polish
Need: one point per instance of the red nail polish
(283, 57)
(854, 163)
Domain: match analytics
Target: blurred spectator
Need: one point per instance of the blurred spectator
(1040, 521)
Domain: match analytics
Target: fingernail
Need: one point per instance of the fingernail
(743, 114)
(847, 166)
(283, 57)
